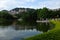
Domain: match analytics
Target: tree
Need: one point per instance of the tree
(29, 17)
(43, 13)
(5, 15)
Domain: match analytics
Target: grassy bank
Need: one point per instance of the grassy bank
(53, 34)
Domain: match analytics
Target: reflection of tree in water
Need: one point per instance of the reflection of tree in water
(29, 25)
(19, 27)
(26, 23)
(44, 26)
(6, 23)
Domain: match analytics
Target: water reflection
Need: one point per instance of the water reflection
(6, 23)
(19, 31)
(10, 33)
(44, 26)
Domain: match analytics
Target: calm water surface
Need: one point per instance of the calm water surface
(18, 32)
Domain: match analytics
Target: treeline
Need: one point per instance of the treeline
(5, 17)
(46, 13)
(31, 14)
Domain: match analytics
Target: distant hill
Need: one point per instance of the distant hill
(20, 10)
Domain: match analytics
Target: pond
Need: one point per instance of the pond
(18, 32)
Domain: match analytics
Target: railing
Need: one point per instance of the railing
(42, 21)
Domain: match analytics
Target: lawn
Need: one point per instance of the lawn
(53, 34)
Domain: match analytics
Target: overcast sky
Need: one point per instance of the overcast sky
(10, 4)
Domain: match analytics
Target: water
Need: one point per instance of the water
(19, 32)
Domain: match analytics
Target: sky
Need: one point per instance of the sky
(36, 4)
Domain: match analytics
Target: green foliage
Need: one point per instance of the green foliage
(5, 14)
(5, 17)
(29, 16)
(48, 13)
(53, 34)
(44, 27)
(43, 13)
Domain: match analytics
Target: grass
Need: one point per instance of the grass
(53, 34)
